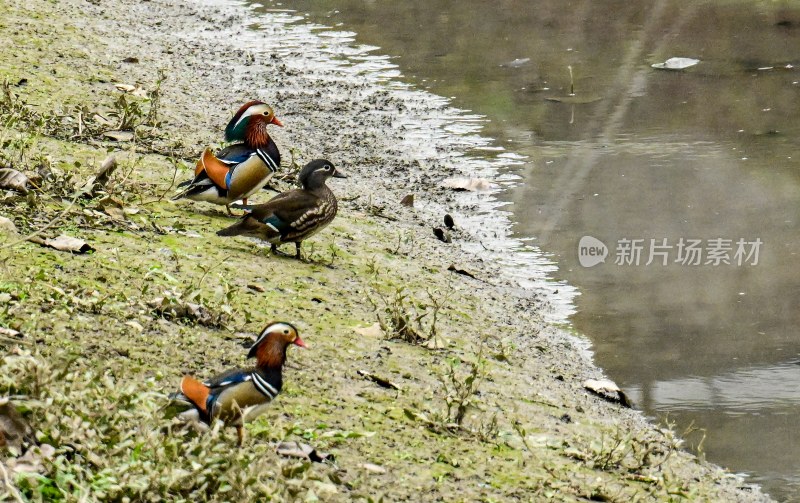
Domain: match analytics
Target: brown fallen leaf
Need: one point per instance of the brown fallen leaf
(408, 200)
(257, 288)
(461, 271)
(7, 226)
(106, 170)
(68, 243)
(114, 212)
(380, 381)
(301, 450)
(32, 461)
(120, 136)
(371, 467)
(10, 332)
(435, 343)
(12, 179)
(137, 91)
(373, 330)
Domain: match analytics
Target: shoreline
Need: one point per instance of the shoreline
(545, 440)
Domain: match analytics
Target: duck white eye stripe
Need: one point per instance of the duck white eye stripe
(275, 326)
(263, 386)
(247, 113)
(267, 159)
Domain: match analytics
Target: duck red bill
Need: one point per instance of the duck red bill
(276, 121)
(300, 342)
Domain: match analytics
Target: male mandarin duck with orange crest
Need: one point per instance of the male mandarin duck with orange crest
(240, 395)
(241, 169)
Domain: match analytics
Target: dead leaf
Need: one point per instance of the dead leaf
(373, 330)
(114, 212)
(370, 467)
(68, 243)
(120, 136)
(607, 389)
(125, 88)
(137, 91)
(461, 271)
(381, 381)
(32, 461)
(469, 184)
(106, 170)
(10, 332)
(408, 200)
(257, 288)
(7, 226)
(12, 179)
(301, 450)
(103, 121)
(435, 343)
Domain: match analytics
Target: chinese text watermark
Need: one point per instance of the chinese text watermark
(662, 252)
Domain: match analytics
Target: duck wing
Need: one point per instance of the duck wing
(277, 217)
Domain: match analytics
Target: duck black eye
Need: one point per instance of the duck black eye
(286, 332)
(327, 167)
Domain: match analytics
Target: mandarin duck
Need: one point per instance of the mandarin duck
(241, 169)
(240, 395)
(294, 215)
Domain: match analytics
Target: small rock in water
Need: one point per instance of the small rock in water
(448, 222)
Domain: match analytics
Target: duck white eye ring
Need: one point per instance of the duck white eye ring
(327, 167)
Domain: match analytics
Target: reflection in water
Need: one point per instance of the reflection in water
(753, 390)
(643, 154)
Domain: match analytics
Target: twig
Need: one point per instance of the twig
(380, 381)
(15, 341)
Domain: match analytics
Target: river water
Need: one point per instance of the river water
(689, 181)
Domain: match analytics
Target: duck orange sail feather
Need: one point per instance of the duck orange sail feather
(214, 168)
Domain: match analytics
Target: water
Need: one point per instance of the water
(643, 154)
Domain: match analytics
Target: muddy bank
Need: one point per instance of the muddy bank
(95, 357)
